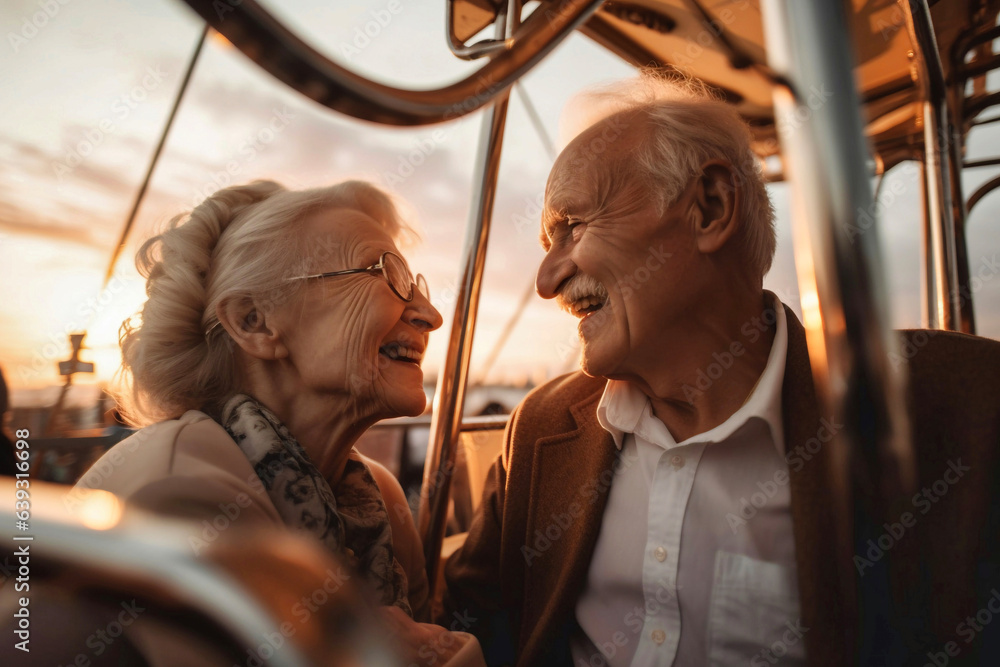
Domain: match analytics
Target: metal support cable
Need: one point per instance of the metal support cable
(508, 329)
(140, 195)
(529, 292)
(536, 121)
(57, 407)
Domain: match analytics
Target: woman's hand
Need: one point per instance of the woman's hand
(422, 644)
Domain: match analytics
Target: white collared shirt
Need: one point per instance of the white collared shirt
(695, 561)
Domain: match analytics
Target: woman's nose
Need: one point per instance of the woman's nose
(422, 314)
(556, 268)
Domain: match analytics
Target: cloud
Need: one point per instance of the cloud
(17, 221)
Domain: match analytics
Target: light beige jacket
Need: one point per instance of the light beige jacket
(192, 469)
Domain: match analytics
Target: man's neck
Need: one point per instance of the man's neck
(708, 385)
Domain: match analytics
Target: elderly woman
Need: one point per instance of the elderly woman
(279, 327)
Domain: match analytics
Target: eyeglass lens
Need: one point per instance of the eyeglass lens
(399, 276)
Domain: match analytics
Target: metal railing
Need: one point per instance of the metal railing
(252, 29)
(90, 543)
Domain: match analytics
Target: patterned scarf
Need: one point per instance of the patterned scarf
(352, 522)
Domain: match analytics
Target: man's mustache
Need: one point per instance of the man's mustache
(576, 288)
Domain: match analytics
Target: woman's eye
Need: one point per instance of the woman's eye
(575, 228)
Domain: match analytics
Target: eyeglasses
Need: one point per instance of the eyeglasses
(393, 269)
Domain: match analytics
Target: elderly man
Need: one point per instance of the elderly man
(666, 505)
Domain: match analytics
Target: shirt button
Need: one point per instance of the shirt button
(660, 553)
(658, 636)
(677, 461)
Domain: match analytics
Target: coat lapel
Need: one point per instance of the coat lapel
(571, 476)
(810, 448)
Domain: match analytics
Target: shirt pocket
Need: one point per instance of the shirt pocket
(753, 615)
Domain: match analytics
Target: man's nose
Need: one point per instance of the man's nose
(556, 268)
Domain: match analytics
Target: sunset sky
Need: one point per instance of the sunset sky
(84, 98)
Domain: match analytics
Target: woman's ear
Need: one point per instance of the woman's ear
(717, 202)
(250, 329)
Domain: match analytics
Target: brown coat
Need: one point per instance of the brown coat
(526, 559)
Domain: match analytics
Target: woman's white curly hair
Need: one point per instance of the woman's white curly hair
(242, 242)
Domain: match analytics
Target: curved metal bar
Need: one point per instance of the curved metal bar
(486, 47)
(940, 256)
(844, 299)
(253, 30)
(991, 162)
(153, 561)
(978, 67)
(984, 189)
(971, 40)
(976, 105)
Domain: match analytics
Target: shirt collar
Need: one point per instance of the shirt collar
(625, 409)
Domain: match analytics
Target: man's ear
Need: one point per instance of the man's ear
(717, 206)
(249, 328)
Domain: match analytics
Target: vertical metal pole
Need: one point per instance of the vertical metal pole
(449, 396)
(928, 302)
(967, 315)
(844, 300)
(940, 255)
(956, 102)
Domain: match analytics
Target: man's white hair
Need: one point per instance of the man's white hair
(690, 125)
